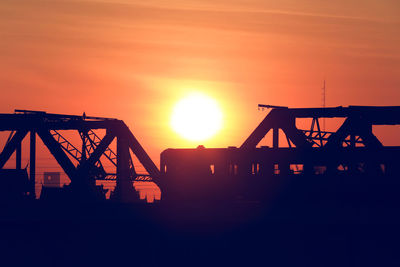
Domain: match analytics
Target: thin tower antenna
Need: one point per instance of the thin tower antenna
(324, 103)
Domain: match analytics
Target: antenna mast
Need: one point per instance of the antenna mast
(324, 102)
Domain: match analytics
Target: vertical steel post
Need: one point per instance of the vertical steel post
(124, 184)
(32, 166)
(18, 156)
(352, 140)
(84, 139)
(275, 137)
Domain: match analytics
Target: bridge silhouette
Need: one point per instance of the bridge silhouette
(312, 198)
(82, 165)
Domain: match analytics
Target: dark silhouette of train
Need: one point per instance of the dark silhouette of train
(348, 161)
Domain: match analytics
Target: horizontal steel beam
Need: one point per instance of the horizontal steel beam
(13, 122)
(315, 155)
(376, 115)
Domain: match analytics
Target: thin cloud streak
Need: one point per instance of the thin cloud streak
(229, 8)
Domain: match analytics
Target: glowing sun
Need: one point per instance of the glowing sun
(196, 117)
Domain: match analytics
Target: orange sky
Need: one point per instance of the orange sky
(134, 60)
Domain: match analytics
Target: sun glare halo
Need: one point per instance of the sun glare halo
(196, 117)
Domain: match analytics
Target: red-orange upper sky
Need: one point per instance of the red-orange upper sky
(134, 60)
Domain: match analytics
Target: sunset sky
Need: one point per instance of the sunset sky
(134, 60)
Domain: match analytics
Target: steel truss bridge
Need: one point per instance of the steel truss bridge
(352, 148)
(356, 129)
(83, 165)
(353, 144)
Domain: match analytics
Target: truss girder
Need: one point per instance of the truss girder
(140, 153)
(94, 157)
(11, 146)
(10, 136)
(88, 157)
(262, 129)
(42, 122)
(317, 138)
(67, 146)
(355, 127)
(364, 130)
(282, 119)
(57, 151)
(88, 147)
(358, 122)
(296, 136)
(94, 140)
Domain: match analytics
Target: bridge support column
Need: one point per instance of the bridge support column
(275, 137)
(18, 156)
(32, 164)
(124, 190)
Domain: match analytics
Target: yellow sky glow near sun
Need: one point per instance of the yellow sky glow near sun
(196, 117)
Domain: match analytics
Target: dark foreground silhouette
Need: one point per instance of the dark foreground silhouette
(309, 223)
(328, 199)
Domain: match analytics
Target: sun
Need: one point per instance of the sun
(196, 117)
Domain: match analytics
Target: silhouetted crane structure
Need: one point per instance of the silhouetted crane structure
(82, 165)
